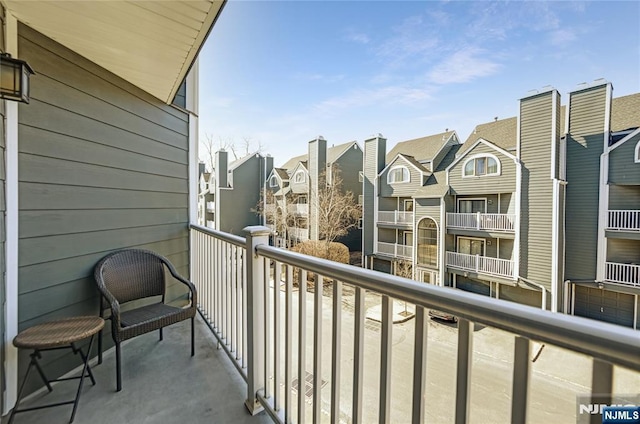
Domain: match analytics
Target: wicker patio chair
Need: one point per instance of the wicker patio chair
(134, 274)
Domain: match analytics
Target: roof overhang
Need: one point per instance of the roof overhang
(151, 44)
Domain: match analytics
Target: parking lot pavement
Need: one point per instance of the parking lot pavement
(557, 376)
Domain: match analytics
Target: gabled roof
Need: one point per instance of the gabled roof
(238, 162)
(410, 160)
(333, 154)
(502, 133)
(423, 148)
(282, 173)
(433, 188)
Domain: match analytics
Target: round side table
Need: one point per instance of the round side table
(55, 335)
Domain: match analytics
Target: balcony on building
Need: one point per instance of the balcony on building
(501, 225)
(211, 206)
(395, 219)
(623, 224)
(625, 274)
(480, 265)
(297, 233)
(299, 209)
(395, 250)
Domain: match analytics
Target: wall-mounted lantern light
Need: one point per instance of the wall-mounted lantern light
(14, 78)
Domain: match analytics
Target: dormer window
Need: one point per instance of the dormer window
(399, 174)
(479, 166)
(273, 182)
(637, 154)
(299, 177)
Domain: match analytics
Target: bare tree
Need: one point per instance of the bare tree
(338, 211)
(209, 147)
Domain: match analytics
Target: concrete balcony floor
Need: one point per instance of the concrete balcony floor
(161, 384)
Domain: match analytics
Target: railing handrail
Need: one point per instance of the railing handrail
(608, 342)
(231, 238)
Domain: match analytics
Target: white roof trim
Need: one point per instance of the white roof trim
(406, 161)
(625, 139)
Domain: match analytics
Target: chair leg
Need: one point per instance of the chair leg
(161, 334)
(99, 347)
(193, 348)
(118, 368)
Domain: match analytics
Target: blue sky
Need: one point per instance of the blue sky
(280, 73)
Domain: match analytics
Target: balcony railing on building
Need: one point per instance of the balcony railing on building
(299, 209)
(260, 303)
(300, 234)
(624, 220)
(395, 218)
(480, 264)
(482, 221)
(627, 274)
(211, 206)
(395, 250)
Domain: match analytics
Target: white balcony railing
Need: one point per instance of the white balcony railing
(624, 221)
(278, 331)
(628, 274)
(300, 234)
(211, 206)
(482, 221)
(480, 264)
(299, 209)
(396, 250)
(395, 217)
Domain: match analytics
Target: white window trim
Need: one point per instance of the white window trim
(471, 198)
(417, 238)
(295, 177)
(481, 155)
(636, 157)
(273, 181)
(360, 176)
(398, 182)
(484, 243)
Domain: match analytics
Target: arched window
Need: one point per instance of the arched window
(637, 155)
(398, 174)
(478, 166)
(273, 182)
(299, 176)
(427, 242)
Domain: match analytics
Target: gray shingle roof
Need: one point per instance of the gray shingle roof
(333, 153)
(423, 148)
(625, 112)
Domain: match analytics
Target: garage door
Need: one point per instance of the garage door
(604, 305)
(472, 286)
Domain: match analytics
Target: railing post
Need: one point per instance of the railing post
(255, 280)
(477, 263)
(477, 220)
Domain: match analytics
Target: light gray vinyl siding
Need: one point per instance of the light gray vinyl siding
(416, 180)
(536, 213)
(428, 207)
(238, 205)
(301, 187)
(624, 197)
(102, 166)
(623, 251)
(373, 163)
(584, 147)
(503, 183)
(505, 249)
(350, 165)
(622, 166)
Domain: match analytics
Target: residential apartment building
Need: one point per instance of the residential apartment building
(229, 197)
(291, 191)
(541, 209)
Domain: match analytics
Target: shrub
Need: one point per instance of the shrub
(333, 251)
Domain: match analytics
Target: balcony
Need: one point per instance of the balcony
(623, 220)
(480, 264)
(211, 206)
(301, 209)
(399, 218)
(264, 331)
(627, 274)
(498, 222)
(300, 234)
(396, 250)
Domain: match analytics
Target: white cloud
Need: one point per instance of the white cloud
(357, 37)
(562, 37)
(463, 66)
(388, 94)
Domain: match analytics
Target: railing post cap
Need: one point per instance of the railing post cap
(257, 230)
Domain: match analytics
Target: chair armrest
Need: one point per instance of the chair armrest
(189, 284)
